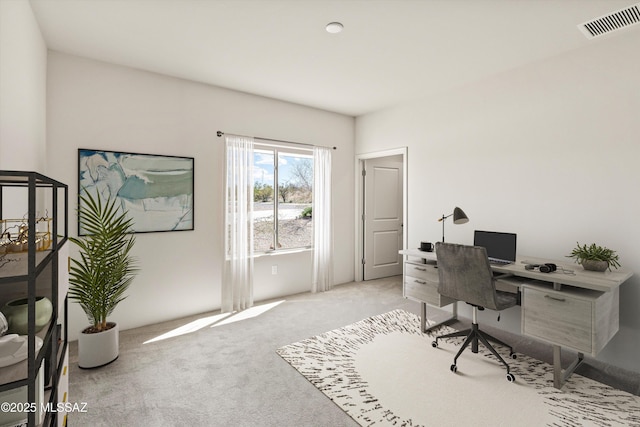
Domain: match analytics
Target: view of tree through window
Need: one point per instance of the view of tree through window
(283, 193)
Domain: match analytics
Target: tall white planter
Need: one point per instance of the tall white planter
(95, 350)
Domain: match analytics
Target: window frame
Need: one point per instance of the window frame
(280, 148)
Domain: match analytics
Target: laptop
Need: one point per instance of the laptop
(501, 247)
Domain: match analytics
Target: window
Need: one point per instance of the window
(283, 193)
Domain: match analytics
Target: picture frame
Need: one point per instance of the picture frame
(157, 191)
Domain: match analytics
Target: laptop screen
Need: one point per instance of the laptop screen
(500, 246)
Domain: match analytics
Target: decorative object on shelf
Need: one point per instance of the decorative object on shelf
(459, 217)
(14, 235)
(14, 349)
(594, 257)
(4, 259)
(102, 275)
(156, 191)
(4, 324)
(16, 311)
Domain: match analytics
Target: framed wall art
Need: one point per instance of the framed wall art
(155, 190)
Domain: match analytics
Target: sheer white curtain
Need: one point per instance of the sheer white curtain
(322, 221)
(237, 283)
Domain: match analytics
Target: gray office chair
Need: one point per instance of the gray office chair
(465, 275)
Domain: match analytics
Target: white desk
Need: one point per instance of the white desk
(574, 308)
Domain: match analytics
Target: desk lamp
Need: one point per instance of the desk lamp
(459, 217)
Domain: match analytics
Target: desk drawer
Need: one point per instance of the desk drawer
(579, 319)
(427, 272)
(421, 283)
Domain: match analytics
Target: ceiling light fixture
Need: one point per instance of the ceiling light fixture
(334, 27)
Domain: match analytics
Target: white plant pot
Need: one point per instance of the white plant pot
(95, 350)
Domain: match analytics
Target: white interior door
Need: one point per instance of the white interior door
(382, 217)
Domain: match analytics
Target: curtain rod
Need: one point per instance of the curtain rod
(220, 133)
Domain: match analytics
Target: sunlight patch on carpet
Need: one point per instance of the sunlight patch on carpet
(216, 320)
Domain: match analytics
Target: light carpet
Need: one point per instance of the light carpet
(383, 371)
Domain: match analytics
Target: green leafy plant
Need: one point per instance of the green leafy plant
(106, 268)
(596, 253)
(307, 212)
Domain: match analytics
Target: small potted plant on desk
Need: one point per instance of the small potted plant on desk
(594, 257)
(100, 278)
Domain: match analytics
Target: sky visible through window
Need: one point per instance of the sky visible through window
(263, 167)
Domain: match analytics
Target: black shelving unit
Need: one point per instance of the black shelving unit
(32, 273)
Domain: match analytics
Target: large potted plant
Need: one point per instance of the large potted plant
(102, 275)
(594, 257)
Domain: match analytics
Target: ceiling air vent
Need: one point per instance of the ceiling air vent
(611, 22)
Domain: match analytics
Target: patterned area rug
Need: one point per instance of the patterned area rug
(383, 371)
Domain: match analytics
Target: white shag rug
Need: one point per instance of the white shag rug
(383, 371)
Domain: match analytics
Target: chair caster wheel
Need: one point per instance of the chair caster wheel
(513, 355)
(511, 378)
(454, 368)
(434, 344)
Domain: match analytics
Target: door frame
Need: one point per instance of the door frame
(359, 197)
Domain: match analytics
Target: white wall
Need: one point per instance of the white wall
(102, 106)
(549, 151)
(23, 68)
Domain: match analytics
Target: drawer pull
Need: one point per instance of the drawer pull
(555, 298)
(420, 282)
(420, 268)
